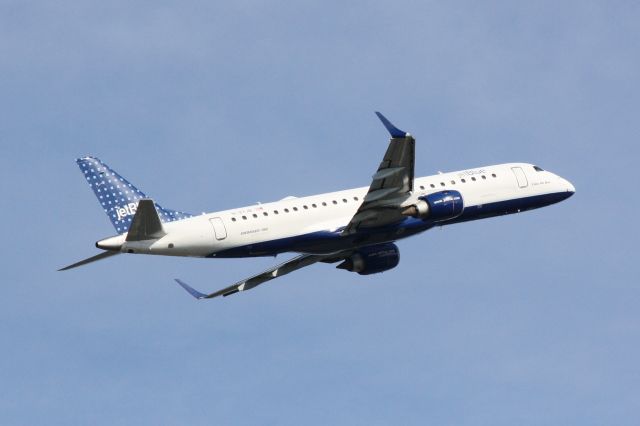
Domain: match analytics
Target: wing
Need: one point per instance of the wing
(249, 283)
(392, 184)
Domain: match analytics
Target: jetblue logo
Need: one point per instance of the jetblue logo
(128, 210)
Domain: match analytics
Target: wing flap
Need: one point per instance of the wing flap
(385, 173)
(379, 194)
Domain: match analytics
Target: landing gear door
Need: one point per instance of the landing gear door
(218, 228)
(521, 177)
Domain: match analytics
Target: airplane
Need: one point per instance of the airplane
(354, 228)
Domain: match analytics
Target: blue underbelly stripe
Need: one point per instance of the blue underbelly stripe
(329, 242)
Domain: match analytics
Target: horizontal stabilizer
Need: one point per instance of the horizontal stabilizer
(146, 223)
(91, 259)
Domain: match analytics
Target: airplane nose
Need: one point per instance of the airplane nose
(570, 187)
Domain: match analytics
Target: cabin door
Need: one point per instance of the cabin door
(520, 177)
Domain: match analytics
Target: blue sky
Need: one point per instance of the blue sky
(527, 319)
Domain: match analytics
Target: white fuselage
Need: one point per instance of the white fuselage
(276, 227)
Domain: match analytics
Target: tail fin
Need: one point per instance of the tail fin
(117, 196)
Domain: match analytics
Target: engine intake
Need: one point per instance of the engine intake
(372, 259)
(437, 207)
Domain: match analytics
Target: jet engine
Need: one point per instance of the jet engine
(437, 207)
(372, 259)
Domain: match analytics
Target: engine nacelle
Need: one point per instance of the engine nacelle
(372, 259)
(437, 207)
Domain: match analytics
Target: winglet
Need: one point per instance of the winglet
(393, 130)
(195, 293)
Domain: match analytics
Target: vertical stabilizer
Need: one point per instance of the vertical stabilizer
(117, 196)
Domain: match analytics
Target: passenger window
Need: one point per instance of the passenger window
(453, 182)
(286, 210)
(265, 214)
(493, 174)
(473, 178)
(295, 209)
(275, 212)
(233, 219)
(433, 186)
(324, 204)
(244, 218)
(441, 183)
(344, 200)
(484, 177)
(335, 202)
(463, 180)
(355, 198)
(421, 186)
(255, 215)
(314, 206)
(305, 207)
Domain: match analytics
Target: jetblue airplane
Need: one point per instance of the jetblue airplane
(355, 228)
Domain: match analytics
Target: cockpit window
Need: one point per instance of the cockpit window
(538, 169)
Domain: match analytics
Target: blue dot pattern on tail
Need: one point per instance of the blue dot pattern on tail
(117, 196)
